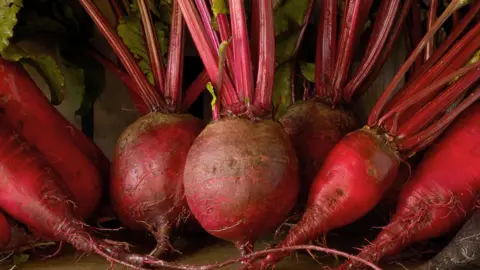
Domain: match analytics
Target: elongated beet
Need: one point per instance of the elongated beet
(441, 194)
(147, 173)
(241, 178)
(462, 253)
(64, 146)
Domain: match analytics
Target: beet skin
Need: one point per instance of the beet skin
(147, 173)
(241, 178)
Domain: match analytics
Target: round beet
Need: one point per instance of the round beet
(147, 173)
(241, 178)
(315, 128)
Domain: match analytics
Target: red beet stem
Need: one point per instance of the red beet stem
(144, 89)
(117, 8)
(454, 59)
(432, 16)
(390, 89)
(194, 90)
(421, 98)
(397, 29)
(415, 34)
(241, 52)
(154, 52)
(325, 58)
(173, 85)
(266, 57)
(440, 104)
(453, 36)
(229, 96)
(355, 18)
(422, 139)
(380, 33)
(225, 34)
(206, 17)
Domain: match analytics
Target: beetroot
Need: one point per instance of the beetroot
(241, 174)
(240, 178)
(146, 187)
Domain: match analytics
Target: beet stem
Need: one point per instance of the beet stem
(325, 57)
(145, 90)
(399, 25)
(415, 31)
(355, 17)
(389, 91)
(266, 57)
(225, 34)
(229, 96)
(378, 38)
(422, 97)
(241, 52)
(422, 139)
(440, 104)
(432, 16)
(205, 16)
(174, 83)
(194, 90)
(154, 52)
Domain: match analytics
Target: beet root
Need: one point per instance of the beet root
(147, 173)
(315, 128)
(241, 179)
(352, 180)
(441, 194)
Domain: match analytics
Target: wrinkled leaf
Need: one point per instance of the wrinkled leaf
(130, 30)
(282, 91)
(308, 71)
(289, 17)
(219, 7)
(8, 20)
(44, 56)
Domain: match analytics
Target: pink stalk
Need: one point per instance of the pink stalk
(225, 34)
(173, 85)
(241, 51)
(432, 16)
(390, 89)
(423, 138)
(397, 30)
(266, 57)
(154, 52)
(326, 49)
(415, 31)
(420, 98)
(354, 19)
(194, 90)
(440, 104)
(192, 19)
(380, 33)
(144, 89)
(206, 16)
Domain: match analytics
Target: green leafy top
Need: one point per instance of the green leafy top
(38, 34)
(8, 20)
(219, 7)
(131, 31)
(289, 18)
